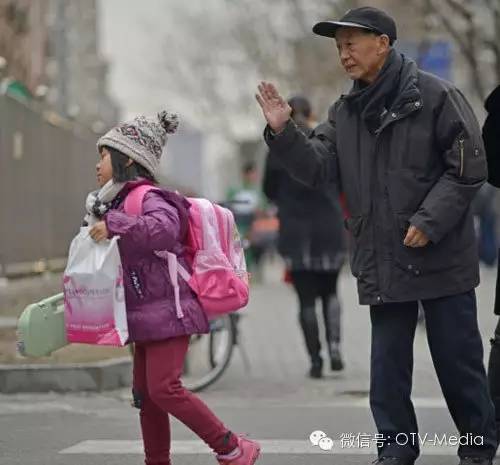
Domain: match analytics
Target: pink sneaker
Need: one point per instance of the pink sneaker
(249, 453)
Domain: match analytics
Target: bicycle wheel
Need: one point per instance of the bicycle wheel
(209, 355)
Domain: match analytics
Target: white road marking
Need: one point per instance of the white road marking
(18, 407)
(38, 407)
(418, 402)
(269, 446)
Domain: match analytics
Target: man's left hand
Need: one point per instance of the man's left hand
(99, 231)
(415, 238)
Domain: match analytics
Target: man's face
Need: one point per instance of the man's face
(361, 54)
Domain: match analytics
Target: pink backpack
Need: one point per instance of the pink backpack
(215, 252)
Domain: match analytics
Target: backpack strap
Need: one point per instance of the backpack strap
(134, 199)
(173, 271)
(133, 206)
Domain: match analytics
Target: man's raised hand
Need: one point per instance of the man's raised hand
(275, 109)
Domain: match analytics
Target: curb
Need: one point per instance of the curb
(8, 322)
(98, 376)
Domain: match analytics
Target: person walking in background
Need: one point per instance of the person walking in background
(246, 200)
(406, 149)
(483, 207)
(491, 137)
(311, 242)
(129, 157)
(248, 204)
(483, 204)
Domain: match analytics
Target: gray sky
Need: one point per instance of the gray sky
(134, 41)
(144, 41)
(129, 40)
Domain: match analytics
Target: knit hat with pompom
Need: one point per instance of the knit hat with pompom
(142, 139)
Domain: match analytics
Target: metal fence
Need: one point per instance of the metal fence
(47, 167)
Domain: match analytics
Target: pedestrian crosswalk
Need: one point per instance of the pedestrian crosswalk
(19, 407)
(269, 446)
(273, 402)
(280, 446)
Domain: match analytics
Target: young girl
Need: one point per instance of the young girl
(129, 156)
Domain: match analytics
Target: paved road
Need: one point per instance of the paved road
(274, 402)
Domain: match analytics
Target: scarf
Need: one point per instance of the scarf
(100, 201)
(373, 100)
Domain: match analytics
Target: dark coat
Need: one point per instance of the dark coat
(422, 166)
(311, 235)
(491, 137)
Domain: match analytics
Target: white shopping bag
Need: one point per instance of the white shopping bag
(94, 298)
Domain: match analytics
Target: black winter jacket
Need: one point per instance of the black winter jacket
(491, 137)
(311, 235)
(422, 165)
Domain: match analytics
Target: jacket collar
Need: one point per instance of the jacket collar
(407, 97)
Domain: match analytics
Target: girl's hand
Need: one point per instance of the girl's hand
(99, 231)
(276, 110)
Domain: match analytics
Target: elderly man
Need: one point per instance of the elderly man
(406, 150)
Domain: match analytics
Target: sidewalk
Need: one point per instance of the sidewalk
(272, 340)
(274, 344)
(8, 321)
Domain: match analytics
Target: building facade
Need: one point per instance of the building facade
(52, 47)
(23, 35)
(76, 71)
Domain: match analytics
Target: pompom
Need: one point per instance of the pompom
(169, 121)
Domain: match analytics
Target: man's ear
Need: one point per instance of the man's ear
(384, 44)
(129, 162)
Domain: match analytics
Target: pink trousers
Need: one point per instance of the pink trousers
(159, 391)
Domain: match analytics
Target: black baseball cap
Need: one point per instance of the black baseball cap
(365, 17)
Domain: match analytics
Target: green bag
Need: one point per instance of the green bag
(40, 328)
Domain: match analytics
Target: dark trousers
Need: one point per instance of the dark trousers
(311, 285)
(494, 373)
(457, 353)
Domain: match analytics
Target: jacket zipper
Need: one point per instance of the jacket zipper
(461, 145)
(399, 116)
(377, 253)
(395, 117)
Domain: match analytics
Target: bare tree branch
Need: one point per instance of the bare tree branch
(466, 41)
(253, 42)
(460, 8)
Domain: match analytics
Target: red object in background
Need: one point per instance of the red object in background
(287, 276)
(343, 204)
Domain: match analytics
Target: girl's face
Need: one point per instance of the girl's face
(104, 168)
